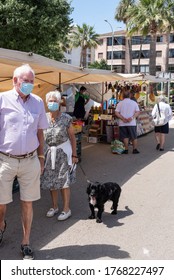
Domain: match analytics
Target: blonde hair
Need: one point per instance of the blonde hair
(56, 94)
(25, 68)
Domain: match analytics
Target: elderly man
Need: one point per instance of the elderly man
(22, 120)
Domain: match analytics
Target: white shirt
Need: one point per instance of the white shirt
(127, 108)
(20, 121)
(165, 109)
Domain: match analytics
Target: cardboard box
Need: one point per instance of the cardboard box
(92, 140)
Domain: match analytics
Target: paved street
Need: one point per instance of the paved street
(143, 228)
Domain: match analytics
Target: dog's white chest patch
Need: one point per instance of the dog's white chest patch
(92, 200)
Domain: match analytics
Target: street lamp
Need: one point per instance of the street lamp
(112, 43)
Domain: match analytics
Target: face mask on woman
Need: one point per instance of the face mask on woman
(26, 88)
(53, 106)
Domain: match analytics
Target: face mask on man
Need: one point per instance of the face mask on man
(53, 106)
(26, 88)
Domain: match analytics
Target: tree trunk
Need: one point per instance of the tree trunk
(128, 58)
(139, 58)
(166, 63)
(84, 58)
(81, 58)
(152, 59)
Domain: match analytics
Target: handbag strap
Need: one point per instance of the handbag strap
(158, 109)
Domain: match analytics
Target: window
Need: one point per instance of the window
(171, 68)
(100, 55)
(146, 39)
(159, 39)
(109, 41)
(117, 41)
(69, 61)
(143, 69)
(116, 55)
(158, 53)
(158, 68)
(171, 38)
(138, 40)
(171, 53)
(135, 54)
(140, 54)
(119, 68)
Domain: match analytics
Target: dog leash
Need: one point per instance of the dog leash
(83, 172)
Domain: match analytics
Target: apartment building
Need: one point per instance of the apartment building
(140, 52)
(73, 56)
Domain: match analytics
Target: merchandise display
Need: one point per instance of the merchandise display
(107, 125)
(144, 122)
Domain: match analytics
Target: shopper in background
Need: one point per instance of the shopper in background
(60, 146)
(132, 95)
(80, 100)
(127, 111)
(161, 131)
(22, 120)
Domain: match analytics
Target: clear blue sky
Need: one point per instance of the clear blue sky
(94, 12)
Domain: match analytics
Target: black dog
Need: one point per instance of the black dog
(100, 193)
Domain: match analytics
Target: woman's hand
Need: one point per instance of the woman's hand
(75, 159)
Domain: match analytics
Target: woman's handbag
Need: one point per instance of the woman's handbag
(159, 119)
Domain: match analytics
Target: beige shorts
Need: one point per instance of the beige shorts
(28, 173)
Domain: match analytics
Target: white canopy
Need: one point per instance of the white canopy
(143, 77)
(50, 74)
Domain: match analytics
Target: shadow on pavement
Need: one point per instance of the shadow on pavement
(86, 252)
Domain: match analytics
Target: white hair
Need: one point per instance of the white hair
(56, 94)
(23, 69)
(161, 98)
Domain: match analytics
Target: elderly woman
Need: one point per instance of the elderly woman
(60, 155)
(161, 131)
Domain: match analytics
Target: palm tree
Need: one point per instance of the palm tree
(168, 27)
(150, 17)
(86, 38)
(121, 15)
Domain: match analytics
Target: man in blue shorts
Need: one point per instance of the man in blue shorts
(127, 111)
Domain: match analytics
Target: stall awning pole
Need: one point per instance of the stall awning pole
(60, 81)
(102, 107)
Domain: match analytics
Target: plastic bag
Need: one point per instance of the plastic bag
(117, 147)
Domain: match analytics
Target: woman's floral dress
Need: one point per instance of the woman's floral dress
(55, 135)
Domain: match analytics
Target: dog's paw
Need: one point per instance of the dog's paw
(114, 212)
(91, 217)
(98, 220)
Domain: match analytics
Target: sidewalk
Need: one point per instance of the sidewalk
(143, 227)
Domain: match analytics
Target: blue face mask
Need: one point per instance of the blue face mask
(26, 88)
(53, 106)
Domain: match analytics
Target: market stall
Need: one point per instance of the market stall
(50, 75)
